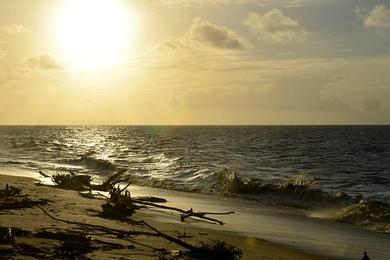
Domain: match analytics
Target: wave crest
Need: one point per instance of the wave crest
(371, 214)
(299, 191)
(93, 163)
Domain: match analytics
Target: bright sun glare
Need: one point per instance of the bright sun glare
(93, 33)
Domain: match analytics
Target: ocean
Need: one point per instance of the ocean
(298, 166)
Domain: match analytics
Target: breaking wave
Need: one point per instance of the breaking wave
(300, 192)
(93, 163)
(370, 214)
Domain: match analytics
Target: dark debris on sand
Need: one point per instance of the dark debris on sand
(74, 244)
(13, 198)
(62, 244)
(83, 182)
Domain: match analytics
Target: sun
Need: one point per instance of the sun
(93, 33)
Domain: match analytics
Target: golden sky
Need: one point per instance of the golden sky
(194, 62)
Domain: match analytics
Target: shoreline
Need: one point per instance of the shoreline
(69, 205)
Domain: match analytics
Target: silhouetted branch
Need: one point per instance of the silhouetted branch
(187, 213)
(122, 234)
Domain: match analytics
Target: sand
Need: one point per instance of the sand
(69, 205)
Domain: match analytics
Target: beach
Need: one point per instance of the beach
(261, 232)
(195, 129)
(68, 205)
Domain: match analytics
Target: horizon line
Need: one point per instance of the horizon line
(186, 125)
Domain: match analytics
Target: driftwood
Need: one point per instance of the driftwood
(118, 206)
(121, 206)
(218, 250)
(122, 233)
(75, 244)
(150, 199)
(82, 182)
(186, 213)
(72, 182)
(10, 191)
(202, 215)
(111, 181)
(91, 227)
(44, 174)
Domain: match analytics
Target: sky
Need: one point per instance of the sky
(194, 62)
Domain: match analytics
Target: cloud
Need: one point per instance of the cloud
(192, 3)
(289, 94)
(44, 62)
(3, 52)
(216, 36)
(189, 3)
(205, 34)
(378, 17)
(28, 68)
(13, 29)
(274, 26)
(294, 3)
(372, 104)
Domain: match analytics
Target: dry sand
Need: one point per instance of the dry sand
(69, 205)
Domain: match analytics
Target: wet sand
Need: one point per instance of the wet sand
(295, 228)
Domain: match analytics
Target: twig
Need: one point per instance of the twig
(120, 191)
(158, 205)
(170, 238)
(219, 213)
(188, 213)
(101, 194)
(199, 215)
(44, 174)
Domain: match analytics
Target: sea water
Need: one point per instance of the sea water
(311, 167)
